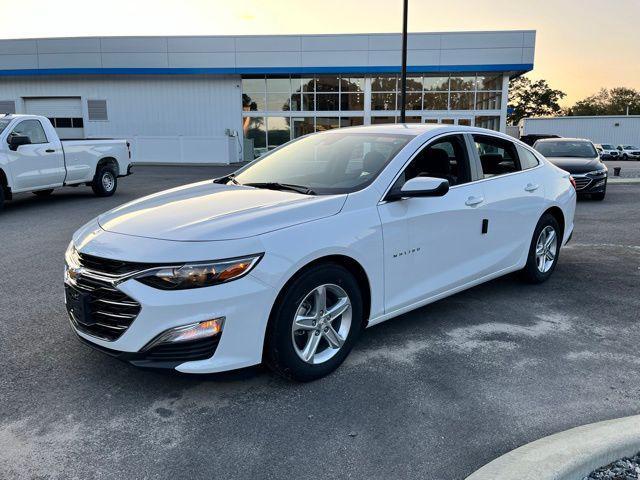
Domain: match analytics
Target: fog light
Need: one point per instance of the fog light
(188, 333)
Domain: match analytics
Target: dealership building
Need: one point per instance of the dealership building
(226, 99)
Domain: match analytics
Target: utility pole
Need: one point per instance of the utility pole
(403, 87)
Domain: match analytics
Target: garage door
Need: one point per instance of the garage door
(65, 113)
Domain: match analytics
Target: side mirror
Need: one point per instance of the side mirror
(420, 187)
(16, 140)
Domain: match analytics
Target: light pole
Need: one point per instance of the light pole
(403, 87)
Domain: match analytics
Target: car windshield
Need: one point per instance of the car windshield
(325, 163)
(566, 148)
(3, 123)
(608, 147)
(630, 147)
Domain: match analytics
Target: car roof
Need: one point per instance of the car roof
(417, 129)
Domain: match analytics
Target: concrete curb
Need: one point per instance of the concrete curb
(568, 455)
(623, 180)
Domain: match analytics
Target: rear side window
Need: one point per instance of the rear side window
(527, 158)
(32, 129)
(497, 156)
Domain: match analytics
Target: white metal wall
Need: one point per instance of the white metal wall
(177, 119)
(615, 130)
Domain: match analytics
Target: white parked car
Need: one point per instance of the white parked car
(34, 159)
(607, 151)
(288, 259)
(629, 152)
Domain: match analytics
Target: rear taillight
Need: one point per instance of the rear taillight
(573, 182)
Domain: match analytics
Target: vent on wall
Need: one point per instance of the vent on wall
(7, 106)
(97, 109)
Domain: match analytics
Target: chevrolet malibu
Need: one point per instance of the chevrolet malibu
(286, 260)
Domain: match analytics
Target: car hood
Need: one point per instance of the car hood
(208, 211)
(576, 165)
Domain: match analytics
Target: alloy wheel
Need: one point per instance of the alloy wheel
(321, 324)
(546, 249)
(108, 181)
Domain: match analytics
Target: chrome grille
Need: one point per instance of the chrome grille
(582, 182)
(110, 310)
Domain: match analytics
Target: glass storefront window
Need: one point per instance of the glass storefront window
(461, 101)
(489, 82)
(462, 83)
(435, 101)
(327, 102)
(253, 85)
(382, 120)
(327, 83)
(253, 102)
(256, 133)
(414, 83)
(384, 83)
(352, 101)
(413, 119)
(326, 123)
(414, 101)
(302, 126)
(435, 84)
(491, 122)
(352, 85)
(351, 121)
(488, 101)
(278, 101)
(383, 101)
(279, 85)
(278, 131)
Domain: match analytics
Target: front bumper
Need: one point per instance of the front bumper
(245, 304)
(590, 183)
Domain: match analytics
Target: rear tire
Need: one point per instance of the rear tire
(1, 197)
(298, 328)
(43, 193)
(544, 250)
(105, 181)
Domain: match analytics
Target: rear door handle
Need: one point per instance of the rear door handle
(50, 150)
(472, 201)
(531, 187)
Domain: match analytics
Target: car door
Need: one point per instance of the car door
(433, 244)
(514, 199)
(38, 164)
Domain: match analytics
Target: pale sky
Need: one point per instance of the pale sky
(582, 45)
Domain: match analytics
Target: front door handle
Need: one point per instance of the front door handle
(473, 201)
(50, 150)
(531, 187)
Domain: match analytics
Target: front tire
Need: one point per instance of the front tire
(625, 157)
(314, 324)
(105, 181)
(43, 193)
(544, 250)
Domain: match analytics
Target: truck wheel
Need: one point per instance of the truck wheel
(1, 197)
(43, 193)
(105, 182)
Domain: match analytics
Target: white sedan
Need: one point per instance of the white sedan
(289, 258)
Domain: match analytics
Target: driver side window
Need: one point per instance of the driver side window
(32, 129)
(446, 158)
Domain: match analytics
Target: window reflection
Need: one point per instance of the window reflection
(435, 101)
(278, 131)
(461, 101)
(462, 83)
(326, 123)
(327, 83)
(436, 84)
(255, 135)
(383, 101)
(302, 126)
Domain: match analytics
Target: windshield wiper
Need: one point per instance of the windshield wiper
(282, 186)
(227, 178)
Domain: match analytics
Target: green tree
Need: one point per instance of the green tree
(609, 102)
(532, 99)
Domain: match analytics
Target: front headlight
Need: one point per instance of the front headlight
(71, 256)
(200, 274)
(598, 172)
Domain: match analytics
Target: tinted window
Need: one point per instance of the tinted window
(446, 158)
(32, 129)
(327, 163)
(527, 158)
(497, 156)
(566, 148)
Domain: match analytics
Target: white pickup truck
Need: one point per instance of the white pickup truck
(34, 159)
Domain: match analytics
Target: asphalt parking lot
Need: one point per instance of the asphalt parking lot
(433, 394)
